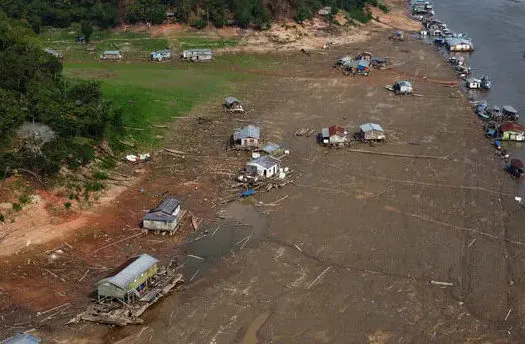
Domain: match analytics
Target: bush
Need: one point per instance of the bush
(67, 205)
(361, 15)
(93, 186)
(2, 218)
(100, 175)
(24, 199)
(17, 206)
(383, 8)
(198, 23)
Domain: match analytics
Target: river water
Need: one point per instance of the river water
(497, 28)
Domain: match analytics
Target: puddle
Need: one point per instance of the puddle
(239, 227)
(251, 334)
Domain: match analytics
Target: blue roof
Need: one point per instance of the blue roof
(265, 161)
(22, 338)
(250, 131)
(370, 126)
(125, 276)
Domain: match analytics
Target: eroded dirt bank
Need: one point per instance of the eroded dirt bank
(349, 255)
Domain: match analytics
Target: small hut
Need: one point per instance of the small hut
(233, 105)
(111, 55)
(334, 135)
(198, 55)
(397, 36)
(264, 166)
(165, 217)
(515, 168)
(247, 137)
(160, 55)
(130, 280)
(510, 113)
(403, 87)
(371, 132)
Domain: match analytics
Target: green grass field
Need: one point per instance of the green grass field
(152, 93)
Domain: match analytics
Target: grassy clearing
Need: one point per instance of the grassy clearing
(150, 93)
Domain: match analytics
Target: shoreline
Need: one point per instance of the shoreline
(311, 79)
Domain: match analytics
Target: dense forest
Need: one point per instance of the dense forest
(107, 13)
(46, 120)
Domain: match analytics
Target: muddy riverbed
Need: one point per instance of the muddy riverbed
(349, 255)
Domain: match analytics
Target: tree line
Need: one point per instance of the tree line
(46, 119)
(198, 13)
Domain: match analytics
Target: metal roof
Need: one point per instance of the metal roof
(404, 83)
(22, 338)
(369, 127)
(473, 80)
(510, 126)
(509, 108)
(112, 52)
(271, 147)
(163, 212)
(325, 132)
(336, 130)
(517, 163)
(458, 41)
(230, 100)
(165, 51)
(378, 59)
(250, 131)
(125, 276)
(265, 161)
(199, 51)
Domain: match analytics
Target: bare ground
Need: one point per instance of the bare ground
(349, 255)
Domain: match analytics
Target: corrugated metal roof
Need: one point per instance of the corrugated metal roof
(457, 41)
(230, 100)
(250, 131)
(509, 108)
(22, 338)
(199, 51)
(163, 212)
(336, 130)
(271, 147)
(265, 161)
(404, 83)
(325, 132)
(112, 52)
(510, 126)
(123, 278)
(370, 126)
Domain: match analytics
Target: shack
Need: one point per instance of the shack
(334, 135)
(264, 166)
(233, 105)
(397, 36)
(131, 279)
(160, 55)
(111, 55)
(379, 62)
(361, 67)
(510, 113)
(364, 56)
(473, 83)
(247, 137)
(403, 87)
(371, 132)
(22, 338)
(198, 55)
(54, 52)
(325, 11)
(272, 149)
(515, 168)
(459, 44)
(165, 217)
(510, 131)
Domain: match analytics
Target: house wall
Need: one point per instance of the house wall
(110, 290)
(261, 170)
(513, 136)
(249, 142)
(160, 225)
(337, 139)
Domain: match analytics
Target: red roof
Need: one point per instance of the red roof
(511, 126)
(516, 163)
(336, 130)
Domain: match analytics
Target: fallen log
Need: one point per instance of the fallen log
(174, 151)
(117, 242)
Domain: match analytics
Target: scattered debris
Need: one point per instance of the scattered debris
(442, 284)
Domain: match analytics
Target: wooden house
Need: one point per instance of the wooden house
(334, 135)
(371, 132)
(459, 44)
(264, 166)
(473, 83)
(160, 55)
(198, 55)
(511, 131)
(248, 137)
(111, 55)
(130, 281)
(165, 217)
(233, 105)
